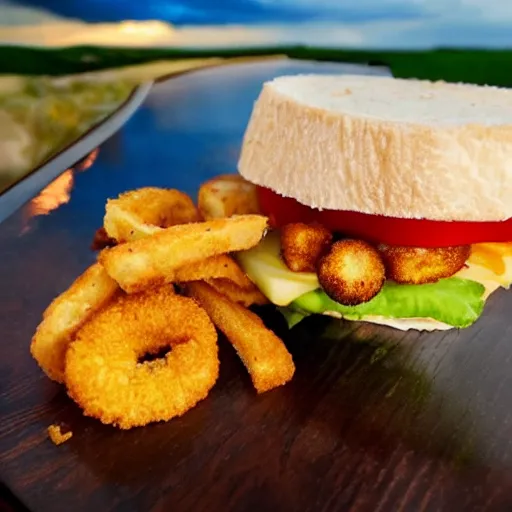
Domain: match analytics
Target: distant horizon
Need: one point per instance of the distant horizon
(374, 24)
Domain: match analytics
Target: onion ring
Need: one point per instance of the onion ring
(153, 260)
(145, 211)
(64, 316)
(104, 374)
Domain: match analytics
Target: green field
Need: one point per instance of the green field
(492, 67)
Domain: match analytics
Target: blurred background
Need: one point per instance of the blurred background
(363, 23)
(66, 64)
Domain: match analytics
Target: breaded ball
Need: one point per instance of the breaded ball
(352, 272)
(417, 265)
(302, 245)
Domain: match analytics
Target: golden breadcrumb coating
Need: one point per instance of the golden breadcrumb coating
(264, 355)
(90, 292)
(145, 211)
(153, 260)
(352, 272)
(227, 195)
(417, 265)
(302, 245)
(247, 296)
(214, 267)
(106, 373)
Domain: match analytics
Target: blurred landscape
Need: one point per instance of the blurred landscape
(66, 64)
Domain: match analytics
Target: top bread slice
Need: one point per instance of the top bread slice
(386, 146)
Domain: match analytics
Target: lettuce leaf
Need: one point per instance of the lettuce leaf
(454, 301)
(293, 316)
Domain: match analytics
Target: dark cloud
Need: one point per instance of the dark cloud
(198, 12)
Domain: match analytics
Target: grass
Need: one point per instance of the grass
(492, 67)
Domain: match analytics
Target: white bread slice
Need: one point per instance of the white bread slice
(401, 148)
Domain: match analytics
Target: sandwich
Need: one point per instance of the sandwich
(389, 200)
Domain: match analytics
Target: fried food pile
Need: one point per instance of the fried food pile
(134, 338)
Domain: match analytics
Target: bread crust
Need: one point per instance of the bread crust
(329, 159)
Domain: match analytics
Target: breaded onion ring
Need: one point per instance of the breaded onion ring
(417, 265)
(152, 261)
(227, 195)
(139, 213)
(264, 355)
(352, 272)
(247, 296)
(302, 245)
(91, 291)
(104, 372)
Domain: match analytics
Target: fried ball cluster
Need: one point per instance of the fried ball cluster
(418, 265)
(302, 245)
(352, 272)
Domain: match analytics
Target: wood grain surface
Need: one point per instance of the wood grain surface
(374, 420)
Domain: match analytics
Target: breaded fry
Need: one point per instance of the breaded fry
(264, 355)
(63, 317)
(110, 376)
(302, 245)
(227, 195)
(352, 272)
(248, 296)
(139, 213)
(415, 265)
(153, 260)
(216, 267)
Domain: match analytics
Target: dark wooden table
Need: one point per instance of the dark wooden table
(374, 420)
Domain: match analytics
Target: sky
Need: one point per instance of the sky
(377, 23)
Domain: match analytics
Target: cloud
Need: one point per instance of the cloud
(351, 23)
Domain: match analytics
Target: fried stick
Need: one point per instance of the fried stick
(264, 355)
(153, 260)
(216, 267)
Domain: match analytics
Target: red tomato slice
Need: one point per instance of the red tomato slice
(380, 229)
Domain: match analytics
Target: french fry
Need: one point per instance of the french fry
(221, 267)
(153, 260)
(247, 296)
(264, 355)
